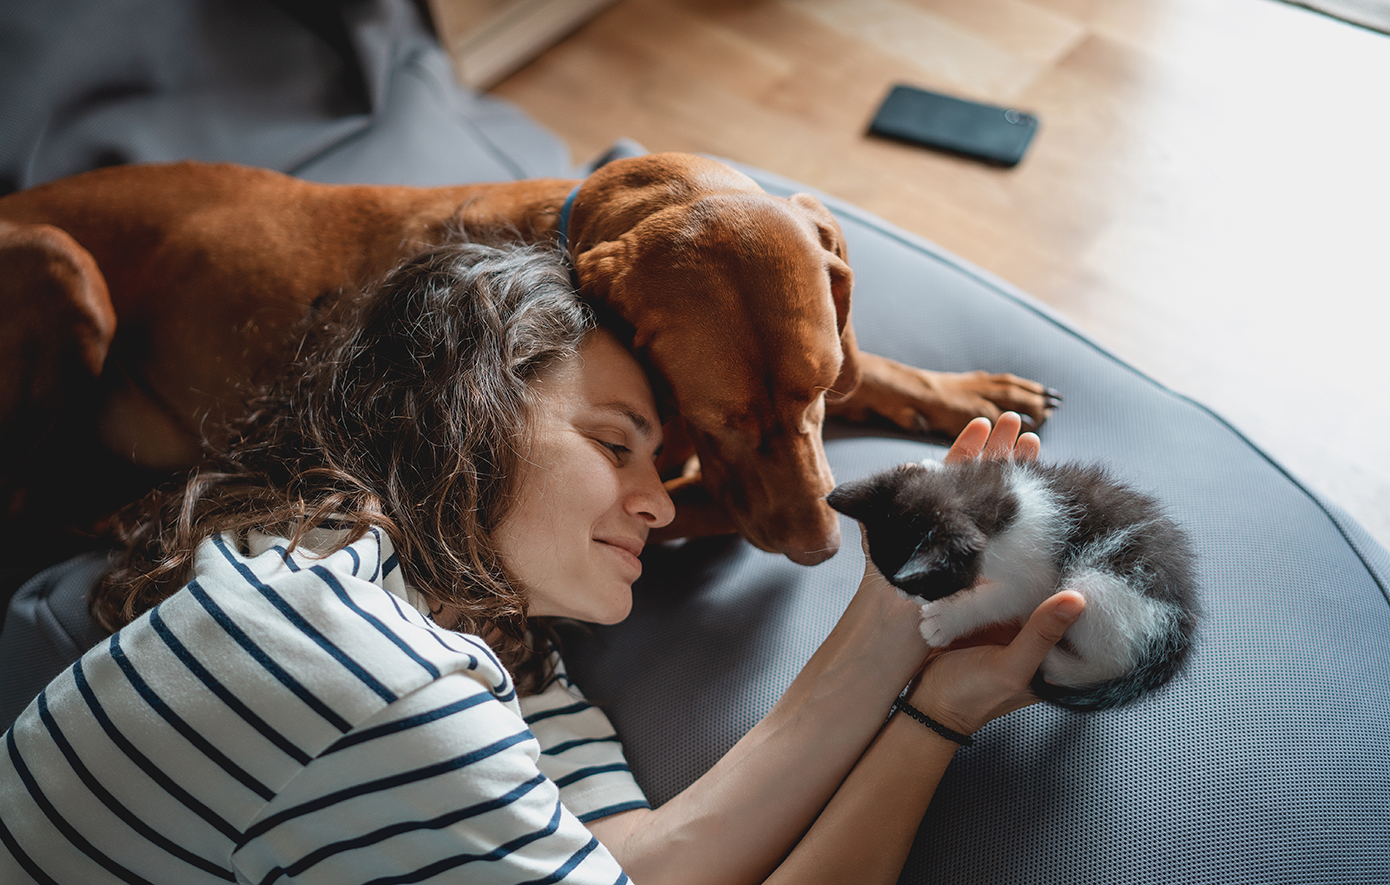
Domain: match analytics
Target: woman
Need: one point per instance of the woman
(329, 639)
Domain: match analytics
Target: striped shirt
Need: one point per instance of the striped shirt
(293, 718)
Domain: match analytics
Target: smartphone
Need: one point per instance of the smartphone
(997, 135)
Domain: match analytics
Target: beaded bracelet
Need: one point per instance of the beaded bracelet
(962, 739)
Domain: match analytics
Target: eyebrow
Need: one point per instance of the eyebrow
(644, 426)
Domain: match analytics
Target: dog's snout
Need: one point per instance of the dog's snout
(816, 556)
(809, 537)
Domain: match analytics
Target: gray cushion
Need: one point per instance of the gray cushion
(1269, 761)
(46, 628)
(348, 92)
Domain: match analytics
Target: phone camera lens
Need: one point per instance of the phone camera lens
(1012, 116)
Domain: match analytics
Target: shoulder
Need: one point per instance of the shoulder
(323, 620)
(447, 771)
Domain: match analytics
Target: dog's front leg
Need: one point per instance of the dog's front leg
(698, 513)
(923, 401)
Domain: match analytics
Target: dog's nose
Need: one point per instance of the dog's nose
(812, 557)
(805, 551)
(806, 547)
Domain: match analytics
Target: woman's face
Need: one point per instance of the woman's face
(589, 491)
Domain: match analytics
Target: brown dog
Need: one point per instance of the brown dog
(142, 300)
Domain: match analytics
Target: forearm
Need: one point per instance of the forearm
(737, 822)
(867, 829)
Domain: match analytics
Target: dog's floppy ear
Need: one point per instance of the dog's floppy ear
(832, 240)
(601, 270)
(848, 379)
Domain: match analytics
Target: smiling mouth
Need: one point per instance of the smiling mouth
(625, 555)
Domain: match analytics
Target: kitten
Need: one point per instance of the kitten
(984, 542)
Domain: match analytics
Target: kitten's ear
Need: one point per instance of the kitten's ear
(858, 499)
(954, 551)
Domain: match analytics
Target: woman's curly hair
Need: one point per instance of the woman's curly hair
(407, 407)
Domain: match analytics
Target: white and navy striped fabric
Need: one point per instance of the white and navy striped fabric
(287, 718)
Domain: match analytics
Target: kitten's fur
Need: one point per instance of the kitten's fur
(1024, 531)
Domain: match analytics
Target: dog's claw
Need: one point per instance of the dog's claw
(1028, 422)
(1054, 398)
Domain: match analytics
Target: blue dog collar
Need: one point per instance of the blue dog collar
(563, 223)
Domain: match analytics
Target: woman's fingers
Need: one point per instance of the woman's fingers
(1000, 446)
(1043, 631)
(1028, 447)
(966, 688)
(970, 442)
(998, 442)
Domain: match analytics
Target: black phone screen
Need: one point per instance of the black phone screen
(985, 132)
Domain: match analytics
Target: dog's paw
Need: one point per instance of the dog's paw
(941, 402)
(966, 395)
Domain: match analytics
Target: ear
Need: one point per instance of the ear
(832, 240)
(955, 551)
(602, 270)
(847, 382)
(858, 499)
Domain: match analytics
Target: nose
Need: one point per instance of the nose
(650, 501)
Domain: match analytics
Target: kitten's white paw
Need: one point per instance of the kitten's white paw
(936, 627)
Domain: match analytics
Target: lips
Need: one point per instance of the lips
(627, 550)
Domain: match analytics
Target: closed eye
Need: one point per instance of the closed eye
(616, 450)
(621, 451)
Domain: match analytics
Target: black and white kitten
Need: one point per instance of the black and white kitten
(984, 542)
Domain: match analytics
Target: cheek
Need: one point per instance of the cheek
(557, 504)
(525, 533)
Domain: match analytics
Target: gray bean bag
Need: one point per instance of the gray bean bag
(1269, 761)
(329, 90)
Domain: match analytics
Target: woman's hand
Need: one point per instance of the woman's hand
(965, 688)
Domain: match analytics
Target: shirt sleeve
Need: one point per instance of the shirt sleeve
(580, 751)
(443, 782)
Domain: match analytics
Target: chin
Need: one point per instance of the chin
(610, 619)
(617, 612)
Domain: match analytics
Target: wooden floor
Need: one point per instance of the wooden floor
(1208, 195)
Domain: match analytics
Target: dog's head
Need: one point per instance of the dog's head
(740, 301)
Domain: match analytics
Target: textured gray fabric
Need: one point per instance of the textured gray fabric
(47, 627)
(1269, 761)
(347, 92)
(1373, 14)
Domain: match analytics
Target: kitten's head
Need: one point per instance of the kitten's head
(923, 536)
